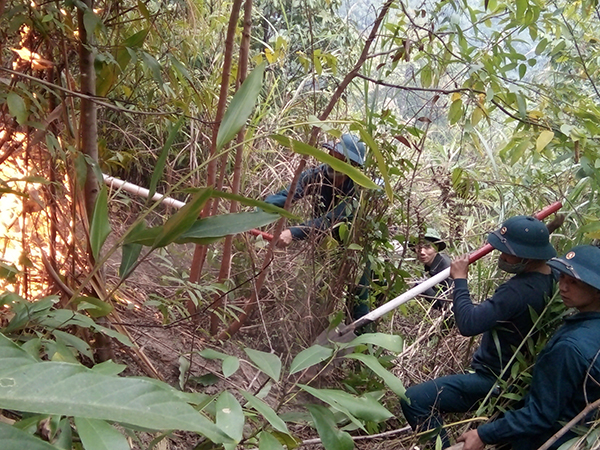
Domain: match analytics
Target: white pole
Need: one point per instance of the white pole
(142, 192)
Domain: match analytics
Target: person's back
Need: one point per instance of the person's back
(504, 320)
(566, 375)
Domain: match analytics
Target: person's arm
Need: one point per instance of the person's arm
(473, 319)
(306, 178)
(341, 212)
(278, 199)
(558, 374)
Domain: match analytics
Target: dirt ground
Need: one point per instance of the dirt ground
(432, 349)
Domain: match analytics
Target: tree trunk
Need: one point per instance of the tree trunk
(225, 270)
(200, 250)
(88, 145)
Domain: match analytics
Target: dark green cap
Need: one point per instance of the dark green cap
(582, 263)
(523, 236)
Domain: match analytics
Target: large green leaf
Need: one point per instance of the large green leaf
(267, 412)
(592, 229)
(229, 416)
(93, 306)
(130, 254)
(309, 357)
(17, 108)
(266, 441)
(331, 437)
(389, 379)
(230, 364)
(337, 165)
(100, 226)
(267, 362)
(241, 106)
(391, 342)
(160, 163)
(74, 390)
(363, 407)
(62, 318)
(182, 220)
(208, 230)
(381, 164)
(226, 224)
(14, 439)
(267, 207)
(99, 435)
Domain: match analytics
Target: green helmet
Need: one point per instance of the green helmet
(351, 147)
(431, 235)
(523, 236)
(582, 263)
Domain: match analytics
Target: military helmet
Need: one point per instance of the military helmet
(581, 262)
(351, 147)
(431, 235)
(523, 236)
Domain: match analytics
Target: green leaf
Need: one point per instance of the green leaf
(62, 318)
(456, 111)
(8, 272)
(267, 207)
(130, 254)
(160, 163)
(266, 411)
(99, 435)
(74, 390)
(241, 106)
(100, 226)
(266, 441)
(78, 344)
(363, 407)
(309, 357)
(182, 220)
(389, 379)
(267, 362)
(426, 76)
(391, 342)
(543, 140)
(154, 67)
(209, 353)
(521, 8)
(14, 439)
(93, 306)
(230, 366)
(381, 163)
(17, 108)
(226, 224)
(337, 165)
(592, 228)
(331, 437)
(229, 416)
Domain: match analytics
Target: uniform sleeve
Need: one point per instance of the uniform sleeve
(306, 178)
(558, 374)
(339, 213)
(473, 319)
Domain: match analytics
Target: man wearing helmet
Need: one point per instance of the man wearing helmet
(428, 253)
(566, 373)
(332, 191)
(333, 198)
(504, 320)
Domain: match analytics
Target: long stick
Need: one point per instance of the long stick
(430, 282)
(143, 192)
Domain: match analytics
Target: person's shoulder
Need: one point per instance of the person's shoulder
(445, 258)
